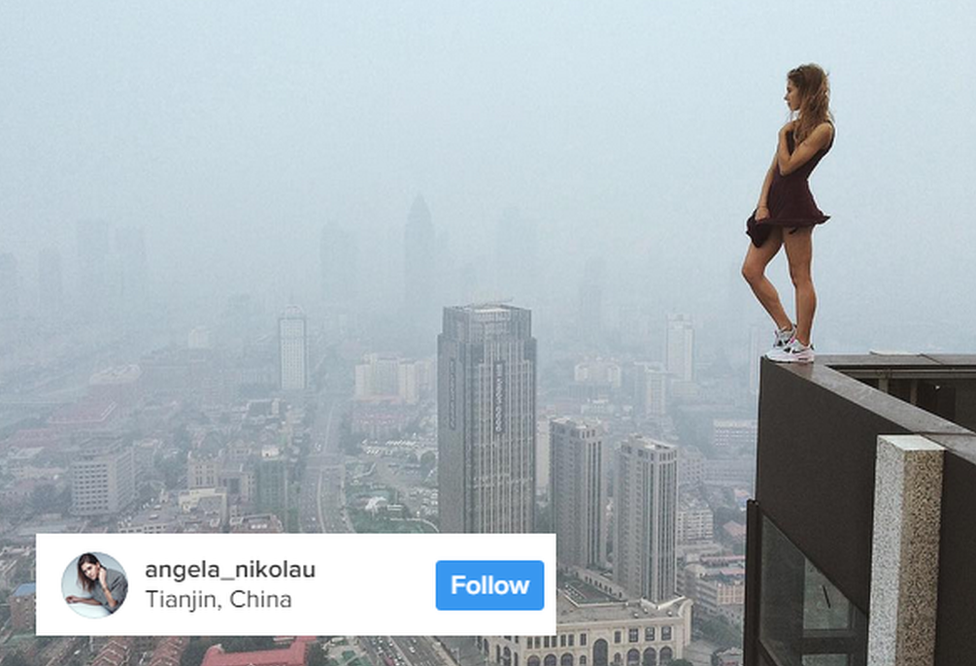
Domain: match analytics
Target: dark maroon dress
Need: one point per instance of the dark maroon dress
(789, 201)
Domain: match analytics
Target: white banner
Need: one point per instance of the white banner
(296, 584)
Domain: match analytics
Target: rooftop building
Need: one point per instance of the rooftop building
(293, 655)
(596, 627)
(861, 538)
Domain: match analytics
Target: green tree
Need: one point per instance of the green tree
(316, 656)
(193, 655)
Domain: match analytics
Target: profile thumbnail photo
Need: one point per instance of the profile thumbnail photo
(94, 585)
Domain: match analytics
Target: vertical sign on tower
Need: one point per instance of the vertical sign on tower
(498, 397)
(452, 394)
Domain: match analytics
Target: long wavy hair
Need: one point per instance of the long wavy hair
(814, 88)
(85, 581)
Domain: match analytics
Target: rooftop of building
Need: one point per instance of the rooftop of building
(827, 473)
(25, 589)
(570, 611)
(293, 655)
(122, 374)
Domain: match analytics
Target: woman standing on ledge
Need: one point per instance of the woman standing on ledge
(787, 213)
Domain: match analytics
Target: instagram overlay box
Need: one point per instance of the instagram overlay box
(315, 584)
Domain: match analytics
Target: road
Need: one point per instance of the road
(322, 502)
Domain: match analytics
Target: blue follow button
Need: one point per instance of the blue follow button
(491, 585)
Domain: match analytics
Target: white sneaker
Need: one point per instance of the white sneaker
(793, 352)
(783, 337)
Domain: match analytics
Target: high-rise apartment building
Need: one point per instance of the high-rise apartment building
(645, 518)
(486, 367)
(271, 483)
(102, 478)
(293, 349)
(680, 352)
(652, 389)
(579, 493)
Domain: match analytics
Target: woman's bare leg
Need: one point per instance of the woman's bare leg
(754, 271)
(799, 252)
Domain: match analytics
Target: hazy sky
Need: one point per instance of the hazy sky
(232, 131)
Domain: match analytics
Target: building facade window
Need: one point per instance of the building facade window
(666, 633)
(616, 636)
(633, 635)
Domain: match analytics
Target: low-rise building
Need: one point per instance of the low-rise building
(22, 607)
(596, 629)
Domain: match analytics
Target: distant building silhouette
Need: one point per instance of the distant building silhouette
(420, 268)
(680, 352)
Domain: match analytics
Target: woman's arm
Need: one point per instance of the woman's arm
(82, 600)
(762, 211)
(103, 581)
(818, 139)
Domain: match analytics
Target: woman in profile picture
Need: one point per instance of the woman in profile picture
(107, 587)
(786, 213)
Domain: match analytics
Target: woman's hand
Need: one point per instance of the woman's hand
(102, 575)
(72, 599)
(787, 128)
(761, 213)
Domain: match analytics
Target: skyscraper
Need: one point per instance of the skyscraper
(645, 518)
(486, 435)
(591, 292)
(680, 347)
(579, 494)
(420, 263)
(293, 349)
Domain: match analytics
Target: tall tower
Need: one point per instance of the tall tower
(419, 260)
(645, 518)
(579, 496)
(680, 347)
(591, 302)
(293, 349)
(486, 430)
